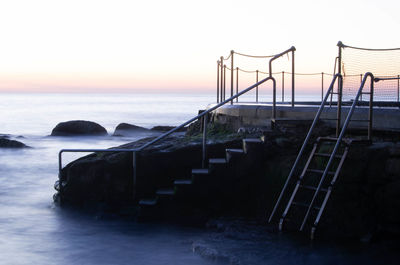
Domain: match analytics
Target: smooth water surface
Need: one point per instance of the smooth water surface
(35, 231)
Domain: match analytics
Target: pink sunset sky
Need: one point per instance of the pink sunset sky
(128, 46)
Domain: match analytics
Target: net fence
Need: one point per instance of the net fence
(382, 63)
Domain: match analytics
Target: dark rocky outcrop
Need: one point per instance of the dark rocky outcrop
(78, 128)
(126, 129)
(365, 199)
(107, 177)
(8, 143)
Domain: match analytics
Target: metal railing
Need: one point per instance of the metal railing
(221, 73)
(338, 135)
(163, 136)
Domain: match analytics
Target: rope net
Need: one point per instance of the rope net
(382, 63)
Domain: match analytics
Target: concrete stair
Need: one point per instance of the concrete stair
(184, 195)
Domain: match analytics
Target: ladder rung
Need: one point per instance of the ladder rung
(302, 204)
(327, 155)
(330, 139)
(320, 171)
(312, 188)
(366, 93)
(328, 119)
(334, 93)
(360, 120)
(334, 139)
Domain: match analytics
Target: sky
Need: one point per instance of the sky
(128, 46)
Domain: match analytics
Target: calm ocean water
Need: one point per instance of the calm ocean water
(35, 231)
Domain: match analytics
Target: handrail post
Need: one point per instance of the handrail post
(217, 81)
(222, 77)
(322, 86)
(360, 84)
(371, 105)
(398, 87)
(204, 147)
(257, 86)
(340, 86)
(134, 168)
(339, 106)
(283, 86)
(224, 81)
(274, 98)
(237, 82)
(293, 75)
(59, 176)
(232, 76)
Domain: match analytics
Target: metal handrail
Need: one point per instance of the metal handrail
(339, 140)
(135, 150)
(303, 147)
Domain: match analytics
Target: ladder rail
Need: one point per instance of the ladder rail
(328, 193)
(338, 142)
(298, 183)
(303, 147)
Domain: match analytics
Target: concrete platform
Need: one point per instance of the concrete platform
(259, 115)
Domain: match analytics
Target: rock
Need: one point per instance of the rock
(78, 128)
(106, 177)
(167, 128)
(126, 129)
(388, 201)
(395, 150)
(4, 136)
(393, 168)
(7, 143)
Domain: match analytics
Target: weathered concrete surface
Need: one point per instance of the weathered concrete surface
(242, 115)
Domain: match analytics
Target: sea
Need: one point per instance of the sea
(34, 230)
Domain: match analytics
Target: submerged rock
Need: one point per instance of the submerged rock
(126, 129)
(78, 128)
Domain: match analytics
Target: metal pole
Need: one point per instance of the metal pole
(360, 84)
(371, 105)
(224, 81)
(340, 85)
(398, 87)
(232, 76)
(204, 149)
(322, 86)
(134, 168)
(257, 86)
(237, 82)
(283, 86)
(222, 78)
(293, 78)
(217, 81)
(274, 98)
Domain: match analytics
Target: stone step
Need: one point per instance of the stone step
(250, 143)
(165, 192)
(200, 171)
(148, 202)
(231, 152)
(183, 182)
(217, 161)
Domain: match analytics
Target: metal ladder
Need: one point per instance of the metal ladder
(315, 204)
(326, 179)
